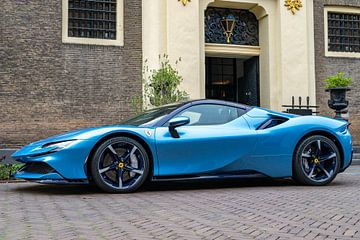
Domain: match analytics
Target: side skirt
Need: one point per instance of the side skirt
(245, 175)
(62, 182)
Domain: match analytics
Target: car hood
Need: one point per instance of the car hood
(71, 135)
(82, 134)
(88, 134)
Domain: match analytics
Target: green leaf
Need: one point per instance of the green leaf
(6, 170)
(161, 85)
(338, 81)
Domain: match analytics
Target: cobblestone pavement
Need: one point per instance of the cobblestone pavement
(241, 209)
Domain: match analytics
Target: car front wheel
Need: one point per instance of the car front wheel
(120, 165)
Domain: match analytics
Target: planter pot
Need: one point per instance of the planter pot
(338, 100)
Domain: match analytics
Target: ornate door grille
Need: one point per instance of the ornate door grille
(246, 30)
(92, 19)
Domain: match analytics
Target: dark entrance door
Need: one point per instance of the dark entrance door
(233, 79)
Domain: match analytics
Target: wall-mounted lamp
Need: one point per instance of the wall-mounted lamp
(228, 25)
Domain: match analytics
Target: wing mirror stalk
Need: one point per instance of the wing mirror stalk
(177, 122)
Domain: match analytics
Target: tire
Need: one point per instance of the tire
(120, 165)
(316, 161)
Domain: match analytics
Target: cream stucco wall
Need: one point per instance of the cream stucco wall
(286, 45)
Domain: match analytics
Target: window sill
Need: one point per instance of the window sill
(91, 41)
(342, 54)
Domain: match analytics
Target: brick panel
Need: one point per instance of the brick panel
(47, 87)
(326, 66)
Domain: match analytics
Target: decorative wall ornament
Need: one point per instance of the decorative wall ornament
(184, 2)
(242, 28)
(293, 5)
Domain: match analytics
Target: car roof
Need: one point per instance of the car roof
(206, 101)
(187, 104)
(220, 102)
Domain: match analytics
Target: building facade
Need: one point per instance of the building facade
(345, 57)
(67, 65)
(268, 66)
(274, 53)
(78, 63)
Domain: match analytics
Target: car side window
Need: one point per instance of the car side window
(210, 114)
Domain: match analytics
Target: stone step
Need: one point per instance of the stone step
(356, 149)
(5, 156)
(356, 155)
(355, 162)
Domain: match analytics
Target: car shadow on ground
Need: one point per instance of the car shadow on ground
(216, 184)
(160, 186)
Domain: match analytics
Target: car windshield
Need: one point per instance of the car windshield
(152, 116)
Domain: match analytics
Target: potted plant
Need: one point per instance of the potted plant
(338, 85)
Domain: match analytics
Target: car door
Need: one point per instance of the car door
(216, 140)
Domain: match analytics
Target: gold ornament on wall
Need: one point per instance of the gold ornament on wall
(184, 2)
(293, 5)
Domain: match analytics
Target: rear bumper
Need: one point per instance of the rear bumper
(345, 140)
(349, 163)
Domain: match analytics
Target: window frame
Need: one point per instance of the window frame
(119, 41)
(338, 9)
(240, 113)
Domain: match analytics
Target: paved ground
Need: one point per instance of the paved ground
(244, 209)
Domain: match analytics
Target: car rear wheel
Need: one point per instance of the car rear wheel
(120, 165)
(316, 161)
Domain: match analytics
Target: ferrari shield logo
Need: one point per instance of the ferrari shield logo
(148, 133)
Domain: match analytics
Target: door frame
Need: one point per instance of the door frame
(258, 75)
(233, 51)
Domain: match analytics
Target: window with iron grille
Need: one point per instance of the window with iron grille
(245, 31)
(343, 32)
(92, 19)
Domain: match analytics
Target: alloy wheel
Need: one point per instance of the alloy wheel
(319, 160)
(121, 165)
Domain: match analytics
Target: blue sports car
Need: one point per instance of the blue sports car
(196, 139)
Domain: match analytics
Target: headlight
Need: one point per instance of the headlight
(58, 145)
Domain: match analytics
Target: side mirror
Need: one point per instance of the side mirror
(177, 122)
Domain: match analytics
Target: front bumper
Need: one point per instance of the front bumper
(42, 173)
(66, 164)
(38, 177)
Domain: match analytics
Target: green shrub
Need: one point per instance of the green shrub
(137, 104)
(6, 170)
(338, 81)
(161, 85)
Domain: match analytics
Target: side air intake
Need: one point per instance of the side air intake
(272, 122)
(37, 167)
